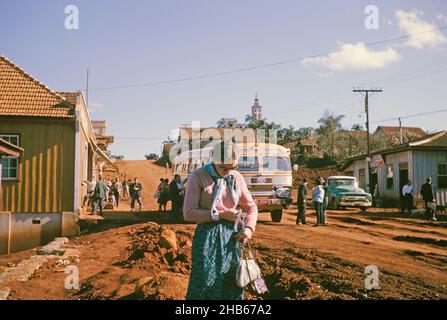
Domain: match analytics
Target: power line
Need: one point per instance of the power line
(366, 92)
(268, 65)
(411, 116)
(389, 82)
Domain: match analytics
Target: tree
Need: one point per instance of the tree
(228, 123)
(329, 125)
(357, 127)
(305, 132)
(151, 156)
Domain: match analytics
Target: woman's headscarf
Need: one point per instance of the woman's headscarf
(224, 152)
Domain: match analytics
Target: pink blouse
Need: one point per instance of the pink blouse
(199, 198)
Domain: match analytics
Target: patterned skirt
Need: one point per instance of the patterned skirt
(215, 258)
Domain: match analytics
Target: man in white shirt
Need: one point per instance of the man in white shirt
(90, 189)
(318, 199)
(407, 193)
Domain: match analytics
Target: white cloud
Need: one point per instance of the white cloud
(421, 33)
(441, 17)
(355, 57)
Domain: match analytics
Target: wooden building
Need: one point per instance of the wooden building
(392, 168)
(55, 131)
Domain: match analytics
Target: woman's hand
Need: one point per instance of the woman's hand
(229, 214)
(244, 235)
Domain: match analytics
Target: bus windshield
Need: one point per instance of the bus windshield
(248, 163)
(276, 163)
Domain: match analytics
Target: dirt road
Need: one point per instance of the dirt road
(298, 262)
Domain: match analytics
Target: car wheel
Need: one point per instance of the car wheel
(276, 215)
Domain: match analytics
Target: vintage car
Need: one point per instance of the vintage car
(343, 192)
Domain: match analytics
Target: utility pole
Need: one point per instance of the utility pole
(86, 90)
(400, 131)
(367, 91)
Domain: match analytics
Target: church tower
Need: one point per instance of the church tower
(256, 109)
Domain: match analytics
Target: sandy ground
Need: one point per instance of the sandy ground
(298, 262)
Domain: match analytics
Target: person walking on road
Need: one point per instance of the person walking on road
(163, 194)
(175, 194)
(88, 198)
(126, 183)
(116, 189)
(302, 195)
(407, 194)
(318, 200)
(428, 195)
(135, 193)
(325, 202)
(100, 195)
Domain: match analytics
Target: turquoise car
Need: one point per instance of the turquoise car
(344, 192)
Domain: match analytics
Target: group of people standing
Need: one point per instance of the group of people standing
(108, 192)
(173, 191)
(428, 193)
(320, 200)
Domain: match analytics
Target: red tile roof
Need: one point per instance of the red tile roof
(354, 133)
(389, 130)
(23, 95)
(70, 96)
(308, 142)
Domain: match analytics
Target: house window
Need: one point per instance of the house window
(442, 175)
(389, 177)
(10, 165)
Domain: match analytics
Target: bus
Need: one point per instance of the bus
(265, 167)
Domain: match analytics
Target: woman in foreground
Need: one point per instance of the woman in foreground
(212, 197)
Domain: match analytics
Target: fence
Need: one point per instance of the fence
(441, 198)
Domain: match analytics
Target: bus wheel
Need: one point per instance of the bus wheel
(276, 215)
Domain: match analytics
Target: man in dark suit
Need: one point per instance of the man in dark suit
(135, 193)
(428, 195)
(99, 196)
(175, 194)
(302, 195)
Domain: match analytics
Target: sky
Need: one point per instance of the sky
(131, 46)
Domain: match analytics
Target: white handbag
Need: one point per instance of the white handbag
(248, 273)
(431, 205)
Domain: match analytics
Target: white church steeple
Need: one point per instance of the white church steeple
(256, 109)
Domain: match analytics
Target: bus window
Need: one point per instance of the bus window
(248, 163)
(282, 163)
